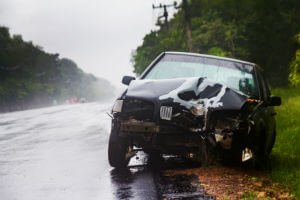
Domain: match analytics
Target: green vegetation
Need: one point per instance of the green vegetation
(258, 31)
(30, 77)
(295, 66)
(286, 153)
(265, 32)
(249, 196)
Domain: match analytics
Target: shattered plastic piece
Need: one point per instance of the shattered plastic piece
(246, 154)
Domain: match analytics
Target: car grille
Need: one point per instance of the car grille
(166, 112)
(138, 109)
(174, 114)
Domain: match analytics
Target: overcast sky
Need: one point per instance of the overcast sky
(99, 35)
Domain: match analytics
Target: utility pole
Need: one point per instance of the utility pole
(187, 24)
(165, 14)
(186, 20)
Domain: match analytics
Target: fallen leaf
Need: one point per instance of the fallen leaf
(261, 194)
(258, 184)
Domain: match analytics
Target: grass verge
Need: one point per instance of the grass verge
(285, 157)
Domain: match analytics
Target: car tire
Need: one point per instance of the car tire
(233, 156)
(119, 149)
(260, 159)
(271, 144)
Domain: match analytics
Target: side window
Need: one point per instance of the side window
(263, 87)
(268, 90)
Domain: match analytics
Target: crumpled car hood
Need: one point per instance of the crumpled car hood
(188, 92)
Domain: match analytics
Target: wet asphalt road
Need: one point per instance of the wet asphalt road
(61, 153)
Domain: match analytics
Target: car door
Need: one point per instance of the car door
(265, 116)
(269, 117)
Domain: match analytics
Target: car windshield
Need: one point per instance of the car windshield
(235, 75)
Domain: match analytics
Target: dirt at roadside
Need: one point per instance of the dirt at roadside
(235, 183)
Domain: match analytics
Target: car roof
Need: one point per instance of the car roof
(209, 56)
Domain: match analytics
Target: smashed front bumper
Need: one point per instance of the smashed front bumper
(219, 132)
(135, 126)
(170, 125)
(163, 137)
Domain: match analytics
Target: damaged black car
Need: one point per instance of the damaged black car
(190, 105)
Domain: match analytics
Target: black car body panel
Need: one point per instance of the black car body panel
(180, 115)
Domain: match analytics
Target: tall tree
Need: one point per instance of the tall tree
(260, 31)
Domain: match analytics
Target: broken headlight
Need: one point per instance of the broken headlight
(118, 106)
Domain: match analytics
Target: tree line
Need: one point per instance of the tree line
(262, 31)
(31, 77)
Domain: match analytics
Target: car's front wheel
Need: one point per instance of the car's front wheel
(119, 149)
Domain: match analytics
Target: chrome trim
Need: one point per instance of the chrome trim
(166, 112)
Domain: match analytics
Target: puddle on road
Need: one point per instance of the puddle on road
(144, 179)
(136, 181)
(122, 179)
(181, 187)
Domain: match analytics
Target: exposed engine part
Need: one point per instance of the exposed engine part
(224, 132)
(224, 138)
(198, 110)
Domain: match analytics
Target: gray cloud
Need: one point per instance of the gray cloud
(99, 35)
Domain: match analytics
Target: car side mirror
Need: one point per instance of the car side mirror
(127, 79)
(274, 101)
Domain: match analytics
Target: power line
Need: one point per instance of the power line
(165, 13)
(186, 19)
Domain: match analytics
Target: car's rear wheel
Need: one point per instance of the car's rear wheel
(119, 149)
